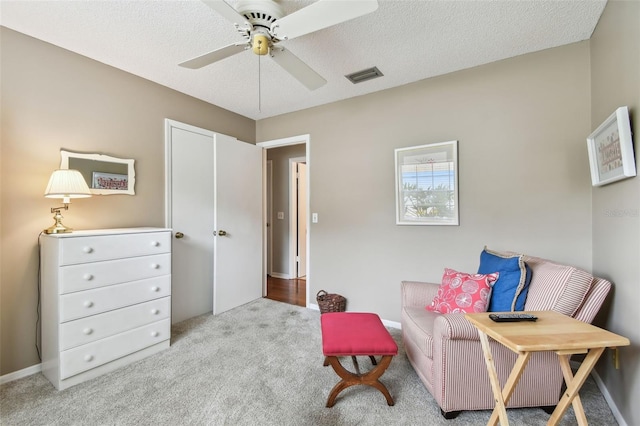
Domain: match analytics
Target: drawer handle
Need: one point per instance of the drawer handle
(154, 288)
(88, 304)
(155, 243)
(155, 311)
(87, 249)
(88, 358)
(88, 331)
(87, 277)
(155, 266)
(154, 334)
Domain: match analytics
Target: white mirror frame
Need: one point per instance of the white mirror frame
(131, 174)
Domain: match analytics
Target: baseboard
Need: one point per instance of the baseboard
(281, 276)
(20, 374)
(387, 323)
(607, 396)
(392, 324)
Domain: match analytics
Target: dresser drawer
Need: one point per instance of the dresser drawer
(118, 246)
(91, 355)
(99, 274)
(84, 303)
(96, 327)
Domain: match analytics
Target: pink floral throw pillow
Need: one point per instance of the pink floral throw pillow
(460, 292)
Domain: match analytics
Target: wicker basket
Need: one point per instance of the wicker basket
(330, 302)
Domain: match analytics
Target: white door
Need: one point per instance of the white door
(302, 220)
(190, 209)
(238, 223)
(212, 272)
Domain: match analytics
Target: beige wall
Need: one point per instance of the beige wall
(53, 99)
(281, 201)
(524, 174)
(615, 82)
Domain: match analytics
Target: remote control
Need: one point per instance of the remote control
(512, 317)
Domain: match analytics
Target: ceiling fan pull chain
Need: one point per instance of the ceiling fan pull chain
(259, 87)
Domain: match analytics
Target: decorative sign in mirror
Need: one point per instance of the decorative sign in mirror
(105, 175)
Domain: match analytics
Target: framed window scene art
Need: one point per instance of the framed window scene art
(611, 149)
(427, 184)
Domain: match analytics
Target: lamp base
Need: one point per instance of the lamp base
(57, 227)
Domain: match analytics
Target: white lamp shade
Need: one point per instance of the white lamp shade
(67, 184)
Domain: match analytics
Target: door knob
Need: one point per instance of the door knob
(222, 233)
(179, 235)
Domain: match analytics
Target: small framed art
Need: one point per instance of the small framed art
(611, 149)
(427, 184)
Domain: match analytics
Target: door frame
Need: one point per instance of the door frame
(276, 143)
(293, 215)
(269, 215)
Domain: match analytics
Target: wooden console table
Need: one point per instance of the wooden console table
(551, 332)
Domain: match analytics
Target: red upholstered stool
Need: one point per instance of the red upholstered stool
(356, 334)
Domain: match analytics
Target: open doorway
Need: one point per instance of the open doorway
(286, 219)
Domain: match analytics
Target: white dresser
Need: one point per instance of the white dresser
(106, 300)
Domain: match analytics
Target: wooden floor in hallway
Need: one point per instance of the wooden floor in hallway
(288, 291)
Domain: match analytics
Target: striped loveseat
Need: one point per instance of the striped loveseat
(445, 350)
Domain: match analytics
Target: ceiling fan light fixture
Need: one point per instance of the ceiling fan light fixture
(364, 75)
(260, 44)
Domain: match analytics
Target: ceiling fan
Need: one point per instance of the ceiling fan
(263, 25)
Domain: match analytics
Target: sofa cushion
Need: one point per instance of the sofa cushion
(462, 292)
(556, 287)
(510, 290)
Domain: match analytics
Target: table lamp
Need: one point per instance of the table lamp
(64, 184)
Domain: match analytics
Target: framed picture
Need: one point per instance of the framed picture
(611, 149)
(427, 184)
(110, 181)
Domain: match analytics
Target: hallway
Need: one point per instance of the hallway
(287, 291)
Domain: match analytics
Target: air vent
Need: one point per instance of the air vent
(364, 75)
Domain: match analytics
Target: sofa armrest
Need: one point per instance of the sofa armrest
(454, 327)
(416, 293)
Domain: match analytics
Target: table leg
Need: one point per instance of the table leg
(502, 397)
(574, 386)
(568, 378)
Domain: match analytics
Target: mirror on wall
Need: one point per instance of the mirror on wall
(105, 175)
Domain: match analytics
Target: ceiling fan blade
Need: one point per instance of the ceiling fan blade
(319, 15)
(228, 12)
(298, 69)
(215, 56)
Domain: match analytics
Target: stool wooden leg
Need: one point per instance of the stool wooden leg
(349, 379)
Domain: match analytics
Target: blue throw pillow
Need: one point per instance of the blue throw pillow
(510, 291)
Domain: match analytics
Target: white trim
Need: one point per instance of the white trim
(293, 214)
(281, 276)
(293, 140)
(269, 213)
(387, 323)
(607, 397)
(296, 140)
(25, 372)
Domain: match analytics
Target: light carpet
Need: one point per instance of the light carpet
(259, 364)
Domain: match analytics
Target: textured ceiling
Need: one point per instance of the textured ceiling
(407, 40)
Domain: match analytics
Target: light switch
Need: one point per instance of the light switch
(314, 217)
(280, 215)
